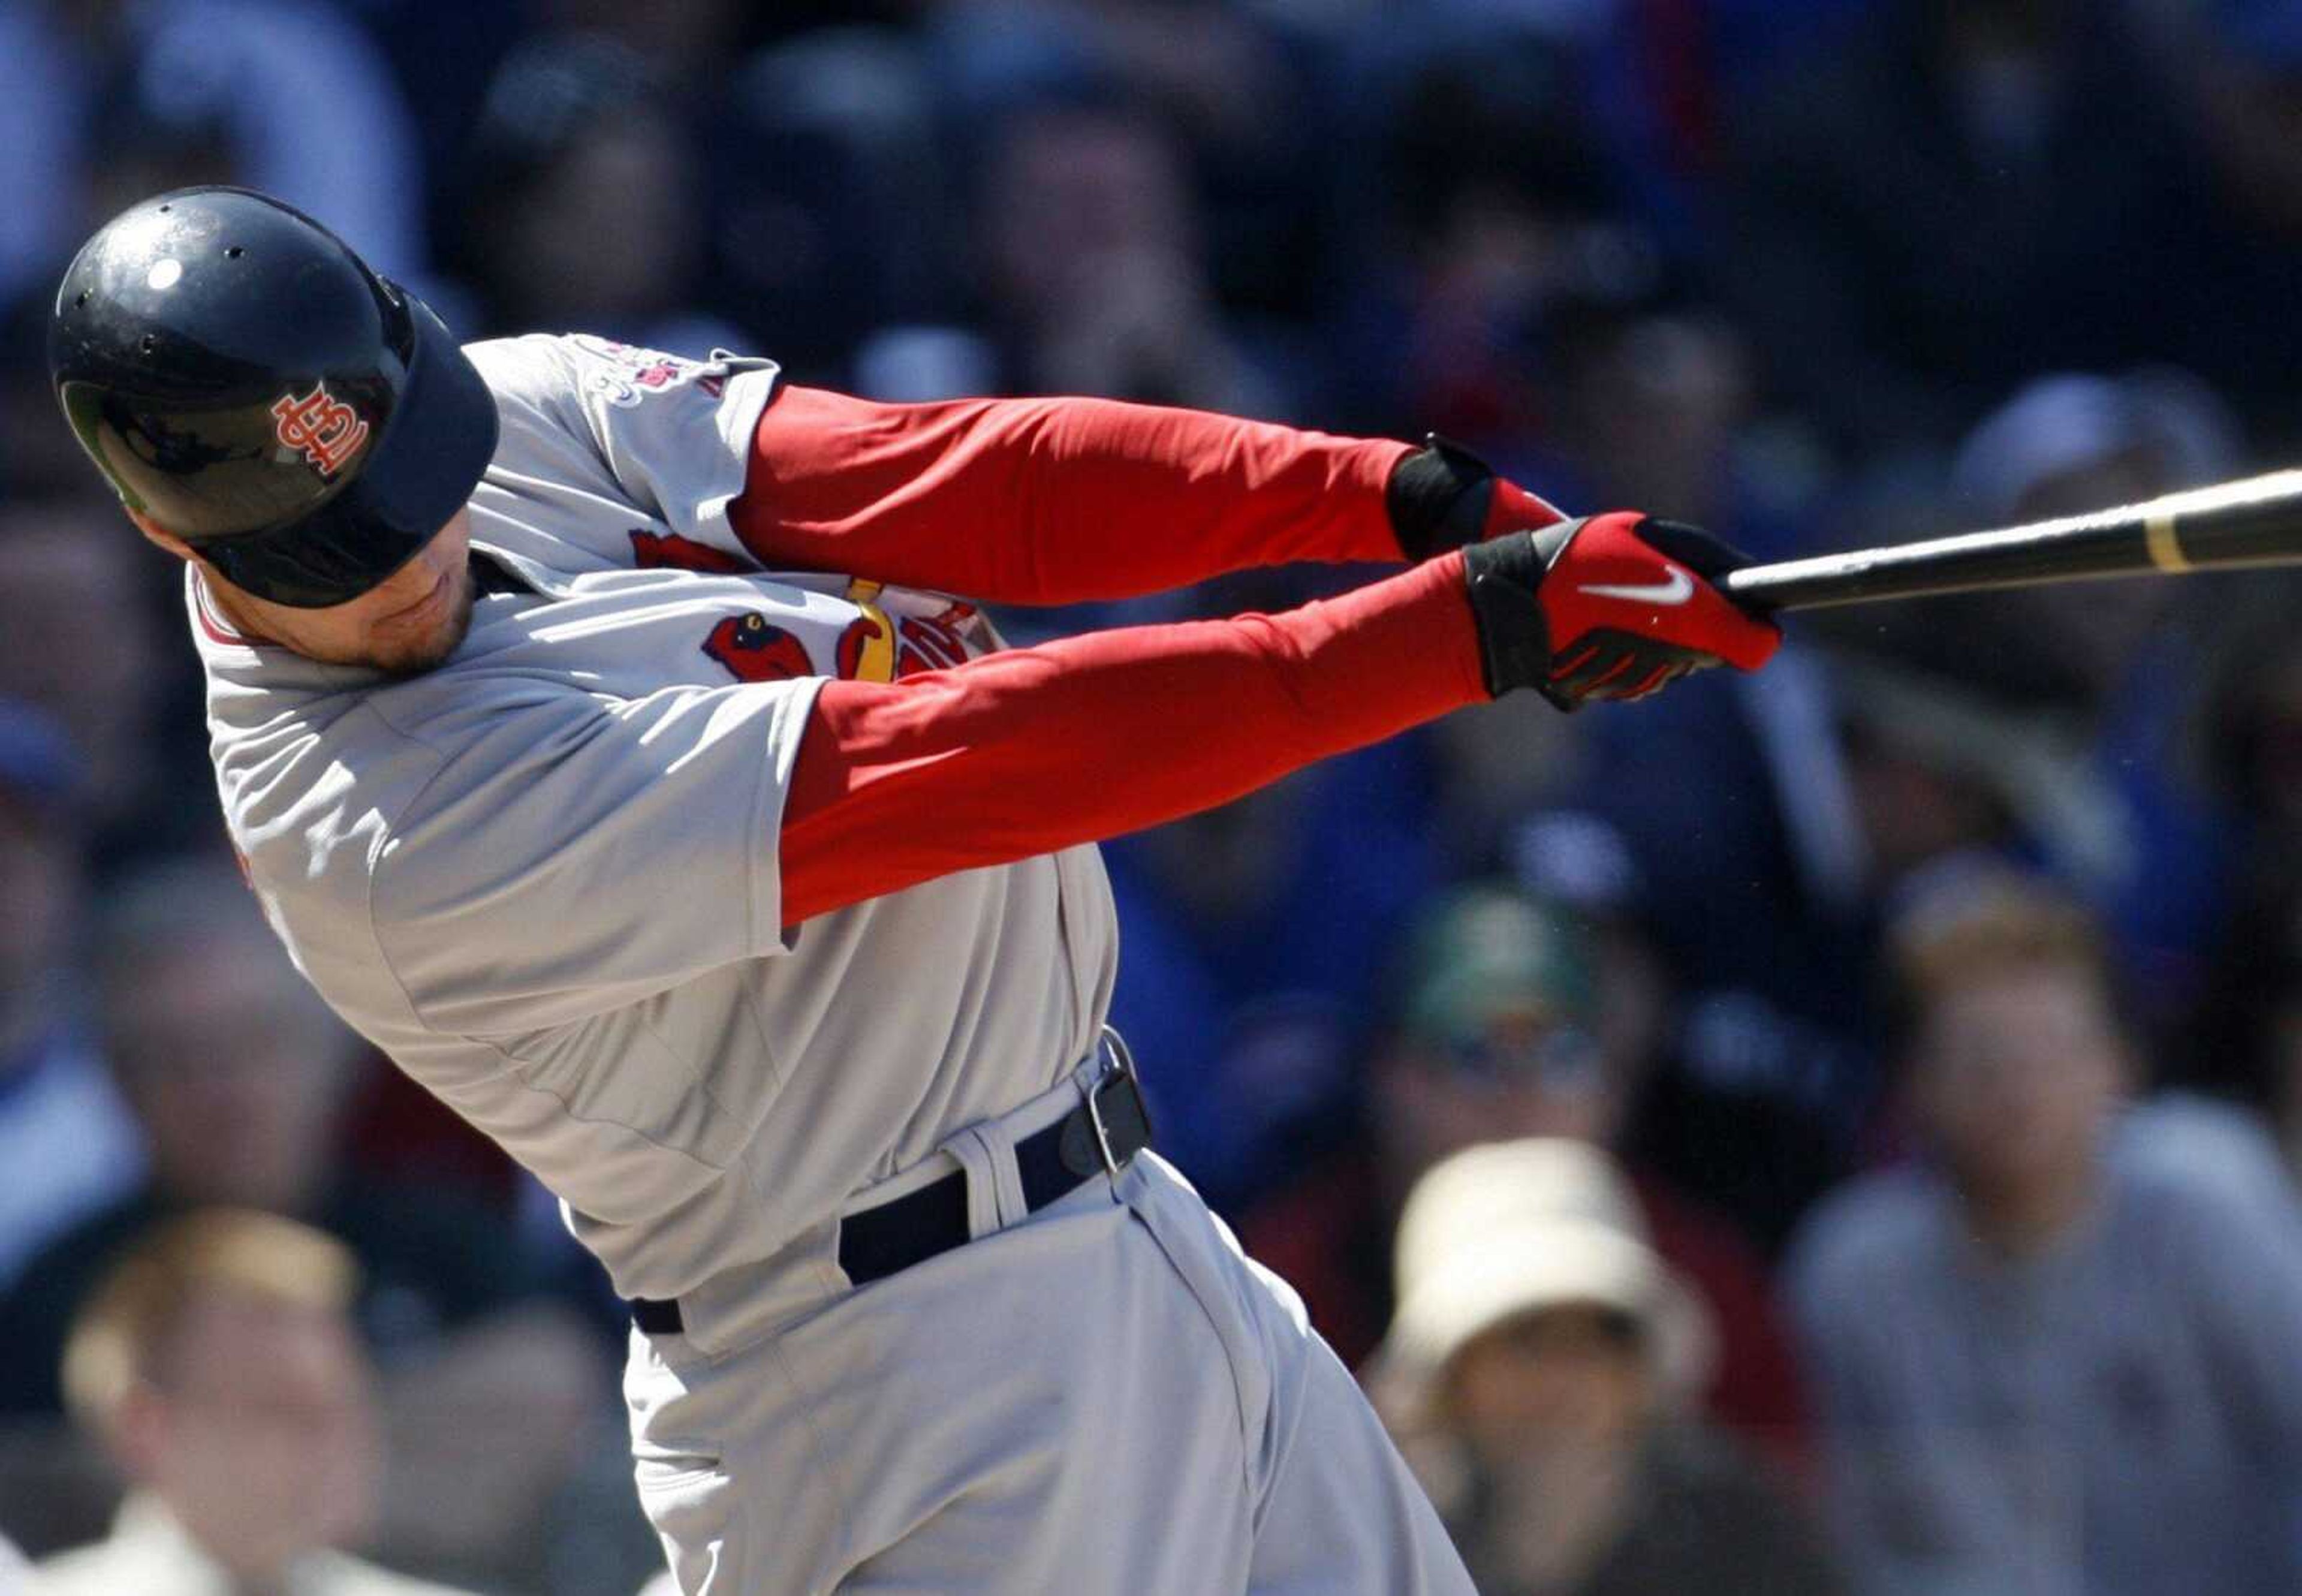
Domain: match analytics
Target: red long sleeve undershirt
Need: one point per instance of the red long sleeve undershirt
(1052, 501)
(1031, 750)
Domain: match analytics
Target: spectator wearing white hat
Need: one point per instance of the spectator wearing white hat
(1519, 1014)
(1538, 1374)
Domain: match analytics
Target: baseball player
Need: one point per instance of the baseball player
(604, 743)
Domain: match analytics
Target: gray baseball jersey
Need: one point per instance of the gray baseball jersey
(542, 878)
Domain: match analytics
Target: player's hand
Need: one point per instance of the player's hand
(1615, 606)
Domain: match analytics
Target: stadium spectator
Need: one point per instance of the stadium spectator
(573, 124)
(2065, 444)
(80, 637)
(1653, 393)
(1929, 213)
(1490, 200)
(1538, 1373)
(291, 98)
(1772, 828)
(2235, 69)
(1249, 969)
(837, 201)
(1205, 63)
(1514, 1022)
(2119, 662)
(2249, 733)
(217, 1362)
(1219, 79)
(692, 39)
(1092, 277)
(2245, 1035)
(59, 1114)
(236, 1074)
(2052, 1357)
(38, 459)
(2051, 719)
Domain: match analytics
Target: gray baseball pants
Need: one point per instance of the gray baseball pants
(1106, 1396)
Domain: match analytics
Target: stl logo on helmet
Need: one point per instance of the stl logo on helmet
(326, 431)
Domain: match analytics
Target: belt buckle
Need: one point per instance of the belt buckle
(1121, 1072)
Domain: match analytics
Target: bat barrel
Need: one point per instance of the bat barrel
(2255, 521)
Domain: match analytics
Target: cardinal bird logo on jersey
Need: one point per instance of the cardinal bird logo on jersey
(753, 651)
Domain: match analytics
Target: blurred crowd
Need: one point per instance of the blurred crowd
(1833, 1130)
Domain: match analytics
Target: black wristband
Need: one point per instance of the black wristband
(1501, 576)
(1438, 497)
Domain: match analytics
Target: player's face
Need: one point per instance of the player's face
(405, 625)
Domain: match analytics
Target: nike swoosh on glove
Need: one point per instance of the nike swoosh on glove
(1608, 606)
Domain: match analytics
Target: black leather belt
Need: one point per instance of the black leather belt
(1101, 1136)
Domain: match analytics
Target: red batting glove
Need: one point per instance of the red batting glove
(1615, 607)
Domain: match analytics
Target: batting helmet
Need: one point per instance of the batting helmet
(247, 383)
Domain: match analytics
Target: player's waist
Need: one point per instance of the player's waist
(985, 1177)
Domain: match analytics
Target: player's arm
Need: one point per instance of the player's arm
(572, 854)
(1057, 500)
(1021, 752)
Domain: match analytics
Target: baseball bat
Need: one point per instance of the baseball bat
(2255, 521)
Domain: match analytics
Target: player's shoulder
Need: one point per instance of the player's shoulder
(534, 367)
(1871, 1228)
(539, 366)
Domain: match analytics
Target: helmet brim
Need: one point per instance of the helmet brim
(418, 475)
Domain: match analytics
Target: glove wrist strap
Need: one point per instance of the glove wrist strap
(1438, 497)
(1501, 576)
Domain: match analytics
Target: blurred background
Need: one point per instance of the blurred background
(1867, 1091)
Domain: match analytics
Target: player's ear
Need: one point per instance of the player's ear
(157, 533)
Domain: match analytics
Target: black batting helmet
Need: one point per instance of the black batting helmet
(247, 382)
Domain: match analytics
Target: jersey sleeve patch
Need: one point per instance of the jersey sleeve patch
(630, 373)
